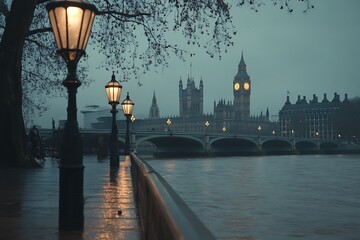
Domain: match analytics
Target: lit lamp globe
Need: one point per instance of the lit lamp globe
(113, 91)
(127, 106)
(71, 22)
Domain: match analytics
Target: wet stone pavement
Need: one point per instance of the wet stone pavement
(29, 202)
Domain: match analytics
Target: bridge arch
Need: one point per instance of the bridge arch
(233, 145)
(328, 145)
(173, 144)
(276, 146)
(304, 145)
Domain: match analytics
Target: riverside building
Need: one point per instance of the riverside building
(310, 119)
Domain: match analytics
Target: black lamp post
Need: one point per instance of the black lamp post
(71, 23)
(113, 91)
(127, 107)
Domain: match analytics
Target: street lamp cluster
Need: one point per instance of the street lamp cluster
(113, 91)
(71, 22)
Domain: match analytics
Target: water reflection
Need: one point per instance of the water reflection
(271, 197)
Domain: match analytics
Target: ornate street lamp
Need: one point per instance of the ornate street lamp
(71, 23)
(127, 107)
(113, 91)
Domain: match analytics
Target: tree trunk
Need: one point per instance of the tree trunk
(13, 135)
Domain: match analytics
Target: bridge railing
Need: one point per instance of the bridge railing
(163, 214)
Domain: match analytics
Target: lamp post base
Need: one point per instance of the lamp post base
(114, 161)
(71, 198)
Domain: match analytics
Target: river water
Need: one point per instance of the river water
(271, 197)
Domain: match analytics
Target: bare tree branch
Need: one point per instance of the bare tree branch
(128, 15)
(42, 1)
(40, 30)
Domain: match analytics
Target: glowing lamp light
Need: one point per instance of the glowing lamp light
(127, 106)
(113, 91)
(71, 22)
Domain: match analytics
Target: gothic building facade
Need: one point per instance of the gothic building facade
(311, 119)
(191, 99)
(228, 116)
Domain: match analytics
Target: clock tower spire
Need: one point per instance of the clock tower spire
(242, 90)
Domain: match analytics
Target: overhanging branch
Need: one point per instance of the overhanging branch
(129, 15)
(40, 30)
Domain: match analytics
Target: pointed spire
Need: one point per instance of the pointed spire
(267, 112)
(190, 70)
(287, 100)
(242, 68)
(154, 98)
(242, 62)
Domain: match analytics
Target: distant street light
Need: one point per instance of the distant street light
(259, 129)
(71, 23)
(224, 129)
(207, 124)
(273, 132)
(132, 119)
(113, 91)
(127, 107)
(168, 122)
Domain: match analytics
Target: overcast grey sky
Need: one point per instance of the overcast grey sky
(313, 53)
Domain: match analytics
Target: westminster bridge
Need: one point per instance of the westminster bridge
(200, 143)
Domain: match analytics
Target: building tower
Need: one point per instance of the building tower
(242, 89)
(154, 112)
(191, 99)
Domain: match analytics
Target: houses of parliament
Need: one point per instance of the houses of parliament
(228, 116)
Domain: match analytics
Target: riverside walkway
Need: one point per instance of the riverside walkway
(29, 203)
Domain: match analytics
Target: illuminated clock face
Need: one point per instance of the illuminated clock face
(246, 86)
(236, 86)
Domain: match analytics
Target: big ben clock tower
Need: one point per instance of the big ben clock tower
(242, 89)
